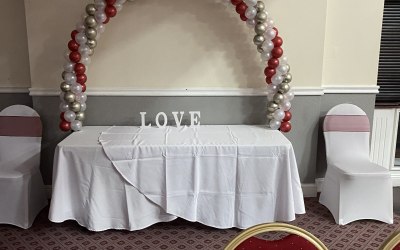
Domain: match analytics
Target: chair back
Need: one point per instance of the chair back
(297, 239)
(392, 243)
(346, 132)
(20, 136)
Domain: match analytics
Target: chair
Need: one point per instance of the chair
(354, 188)
(22, 193)
(392, 243)
(297, 239)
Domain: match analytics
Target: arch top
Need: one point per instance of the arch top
(84, 41)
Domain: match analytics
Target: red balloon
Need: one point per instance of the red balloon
(243, 17)
(79, 68)
(62, 116)
(269, 72)
(277, 41)
(288, 116)
(268, 80)
(83, 87)
(107, 20)
(73, 34)
(111, 2)
(286, 127)
(236, 2)
(277, 32)
(273, 63)
(65, 126)
(241, 8)
(277, 52)
(73, 46)
(110, 11)
(81, 78)
(74, 56)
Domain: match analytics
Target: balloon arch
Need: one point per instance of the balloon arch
(84, 40)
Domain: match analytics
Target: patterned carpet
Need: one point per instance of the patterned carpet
(181, 234)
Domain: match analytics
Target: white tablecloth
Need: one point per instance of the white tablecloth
(221, 176)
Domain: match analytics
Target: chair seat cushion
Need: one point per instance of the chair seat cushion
(358, 168)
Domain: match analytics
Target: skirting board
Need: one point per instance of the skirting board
(309, 189)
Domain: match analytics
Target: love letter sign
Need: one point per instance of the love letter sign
(194, 118)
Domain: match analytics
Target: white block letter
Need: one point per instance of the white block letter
(142, 115)
(177, 120)
(194, 119)
(158, 117)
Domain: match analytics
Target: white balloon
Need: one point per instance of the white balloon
(76, 125)
(283, 60)
(69, 67)
(277, 79)
(100, 16)
(251, 12)
(268, 46)
(62, 96)
(64, 106)
(289, 95)
(279, 114)
(283, 68)
(270, 23)
(81, 98)
(251, 3)
(80, 27)
(76, 88)
(274, 124)
(118, 7)
(265, 56)
(100, 28)
(70, 78)
(83, 107)
(270, 34)
(69, 116)
(81, 38)
(120, 2)
(251, 23)
(66, 55)
(99, 4)
(272, 89)
(85, 59)
(84, 50)
(286, 105)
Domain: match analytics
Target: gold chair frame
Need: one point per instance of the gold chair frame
(391, 242)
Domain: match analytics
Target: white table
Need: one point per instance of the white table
(222, 176)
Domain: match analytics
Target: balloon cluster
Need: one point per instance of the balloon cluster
(80, 49)
(269, 44)
(84, 40)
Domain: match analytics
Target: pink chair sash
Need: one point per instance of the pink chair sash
(26, 126)
(346, 123)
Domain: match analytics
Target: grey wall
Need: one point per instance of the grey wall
(11, 99)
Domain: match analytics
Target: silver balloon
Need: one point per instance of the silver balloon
(91, 43)
(69, 97)
(272, 107)
(69, 67)
(270, 97)
(261, 16)
(260, 49)
(278, 98)
(279, 114)
(76, 89)
(83, 107)
(81, 38)
(75, 106)
(62, 97)
(274, 124)
(250, 13)
(80, 116)
(260, 28)
(90, 9)
(63, 74)
(91, 52)
(65, 87)
(270, 116)
(69, 116)
(64, 106)
(76, 125)
(284, 88)
(288, 78)
(91, 34)
(90, 21)
(260, 6)
(258, 40)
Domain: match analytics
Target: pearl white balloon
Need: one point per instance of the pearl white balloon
(268, 45)
(274, 124)
(251, 23)
(283, 60)
(81, 38)
(100, 16)
(120, 2)
(277, 79)
(62, 96)
(100, 28)
(265, 56)
(283, 69)
(279, 114)
(84, 50)
(118, 7)
(270, 23)
(286, 105)
(289, 95)
(76, 125)
(83, 107)
(66, 55)
(64, 106)
(69, 116)
(272, 89)
(85, 59)
(76, 88)
(251, 12)
(80, 27)
(270, 34)
(70, 78)
(81, 98)
(99, 4)
(69, 67)
(251, 3)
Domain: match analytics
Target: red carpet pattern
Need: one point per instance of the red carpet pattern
(180, 234)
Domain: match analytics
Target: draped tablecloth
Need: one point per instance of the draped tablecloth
(222, 176)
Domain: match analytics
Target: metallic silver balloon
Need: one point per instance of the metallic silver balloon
(92, 43)
(284, 88)
(260, 49)
(63, 74)
(90, 9)
(91, 52)
(270, 116)
(75, 106)
(69, 97)
(272, 106)
(258, 40)
(65, 87)
(80, 116)
(90, 22)
(287, 78)
(260, 28)
(260, 6)
(278, 98)
(261, 16)
(91, 33)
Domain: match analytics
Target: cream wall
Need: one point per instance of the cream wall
(176, 44)
(352, 42)
(14, 60)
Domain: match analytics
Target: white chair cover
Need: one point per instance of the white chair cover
(22, 193)
(354, 188)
